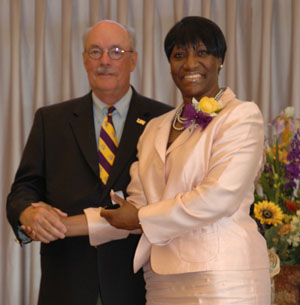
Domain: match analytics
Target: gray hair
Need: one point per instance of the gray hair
(132, 38)
(130, 30)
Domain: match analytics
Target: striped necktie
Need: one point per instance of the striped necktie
(108, 145)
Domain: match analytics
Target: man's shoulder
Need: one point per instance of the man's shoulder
(150, 104)
(67, 104)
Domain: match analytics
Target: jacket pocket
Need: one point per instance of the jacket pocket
(199, 245)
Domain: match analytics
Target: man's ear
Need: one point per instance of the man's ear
(133, 59)
(84, 59)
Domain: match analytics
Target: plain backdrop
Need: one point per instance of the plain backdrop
(41, 64)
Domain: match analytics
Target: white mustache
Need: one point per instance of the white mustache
(105, 70)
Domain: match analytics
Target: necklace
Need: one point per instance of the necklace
(219, 94)
(181, 120)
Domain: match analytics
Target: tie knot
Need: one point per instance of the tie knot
(110, 109)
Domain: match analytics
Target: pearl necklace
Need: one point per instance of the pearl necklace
(179, 119)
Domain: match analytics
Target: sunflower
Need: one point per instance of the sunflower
(267, 212)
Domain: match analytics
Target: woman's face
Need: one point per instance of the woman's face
(194, 71)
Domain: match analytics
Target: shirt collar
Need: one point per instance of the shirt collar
(121, 105)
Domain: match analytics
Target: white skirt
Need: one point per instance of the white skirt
(247, 287)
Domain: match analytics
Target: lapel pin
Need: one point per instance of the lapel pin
(140, 121)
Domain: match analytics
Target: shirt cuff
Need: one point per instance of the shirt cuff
(22, 237)
(100, 231)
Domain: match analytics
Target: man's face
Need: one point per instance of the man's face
(109, 79)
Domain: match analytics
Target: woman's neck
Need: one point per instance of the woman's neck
(213, 93)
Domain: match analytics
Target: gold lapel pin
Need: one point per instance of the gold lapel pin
(140, 121)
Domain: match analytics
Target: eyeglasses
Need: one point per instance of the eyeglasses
(113, 53)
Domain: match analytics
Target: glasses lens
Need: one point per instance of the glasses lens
(115, 53)
(95, 53)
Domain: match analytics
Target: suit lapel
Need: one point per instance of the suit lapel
(163, 133)
(180, 140)
(83, 128)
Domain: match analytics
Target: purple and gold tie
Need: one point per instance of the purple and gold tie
(108, 145)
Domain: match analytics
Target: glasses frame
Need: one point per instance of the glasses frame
(108, 52)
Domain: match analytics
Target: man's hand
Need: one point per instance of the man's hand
(125, 217)
(41, 222)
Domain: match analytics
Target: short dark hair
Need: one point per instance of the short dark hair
(190, 30)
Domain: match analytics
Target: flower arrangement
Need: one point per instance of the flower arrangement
(277, 195)
(201, 112)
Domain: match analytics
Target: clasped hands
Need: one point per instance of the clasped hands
(125, 217)
(41, 222)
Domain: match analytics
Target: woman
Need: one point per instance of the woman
(193, 183)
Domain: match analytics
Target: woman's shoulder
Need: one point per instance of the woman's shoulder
(230, 103)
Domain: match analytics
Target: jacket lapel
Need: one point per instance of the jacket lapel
(163, 133)
(180, 140)
(83, 128)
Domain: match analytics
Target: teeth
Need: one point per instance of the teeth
(192, 76)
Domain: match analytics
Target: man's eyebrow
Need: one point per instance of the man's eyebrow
(94, 46)
(110, 47)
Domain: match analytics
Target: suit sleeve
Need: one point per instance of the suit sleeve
(29, 183)
(234, 163)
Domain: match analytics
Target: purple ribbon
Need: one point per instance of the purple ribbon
(191, 115)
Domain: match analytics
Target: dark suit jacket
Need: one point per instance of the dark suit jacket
(60, 166)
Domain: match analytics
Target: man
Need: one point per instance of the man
(60, 171)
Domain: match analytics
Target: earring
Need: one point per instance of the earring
(221, 66)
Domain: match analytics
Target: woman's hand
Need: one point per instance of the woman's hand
(125, 217)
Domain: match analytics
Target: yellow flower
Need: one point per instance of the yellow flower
(287, 135)
(209, 105)
(287, 218)
(282, 152)
(267, 212)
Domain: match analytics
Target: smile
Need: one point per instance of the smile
(192, 76)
